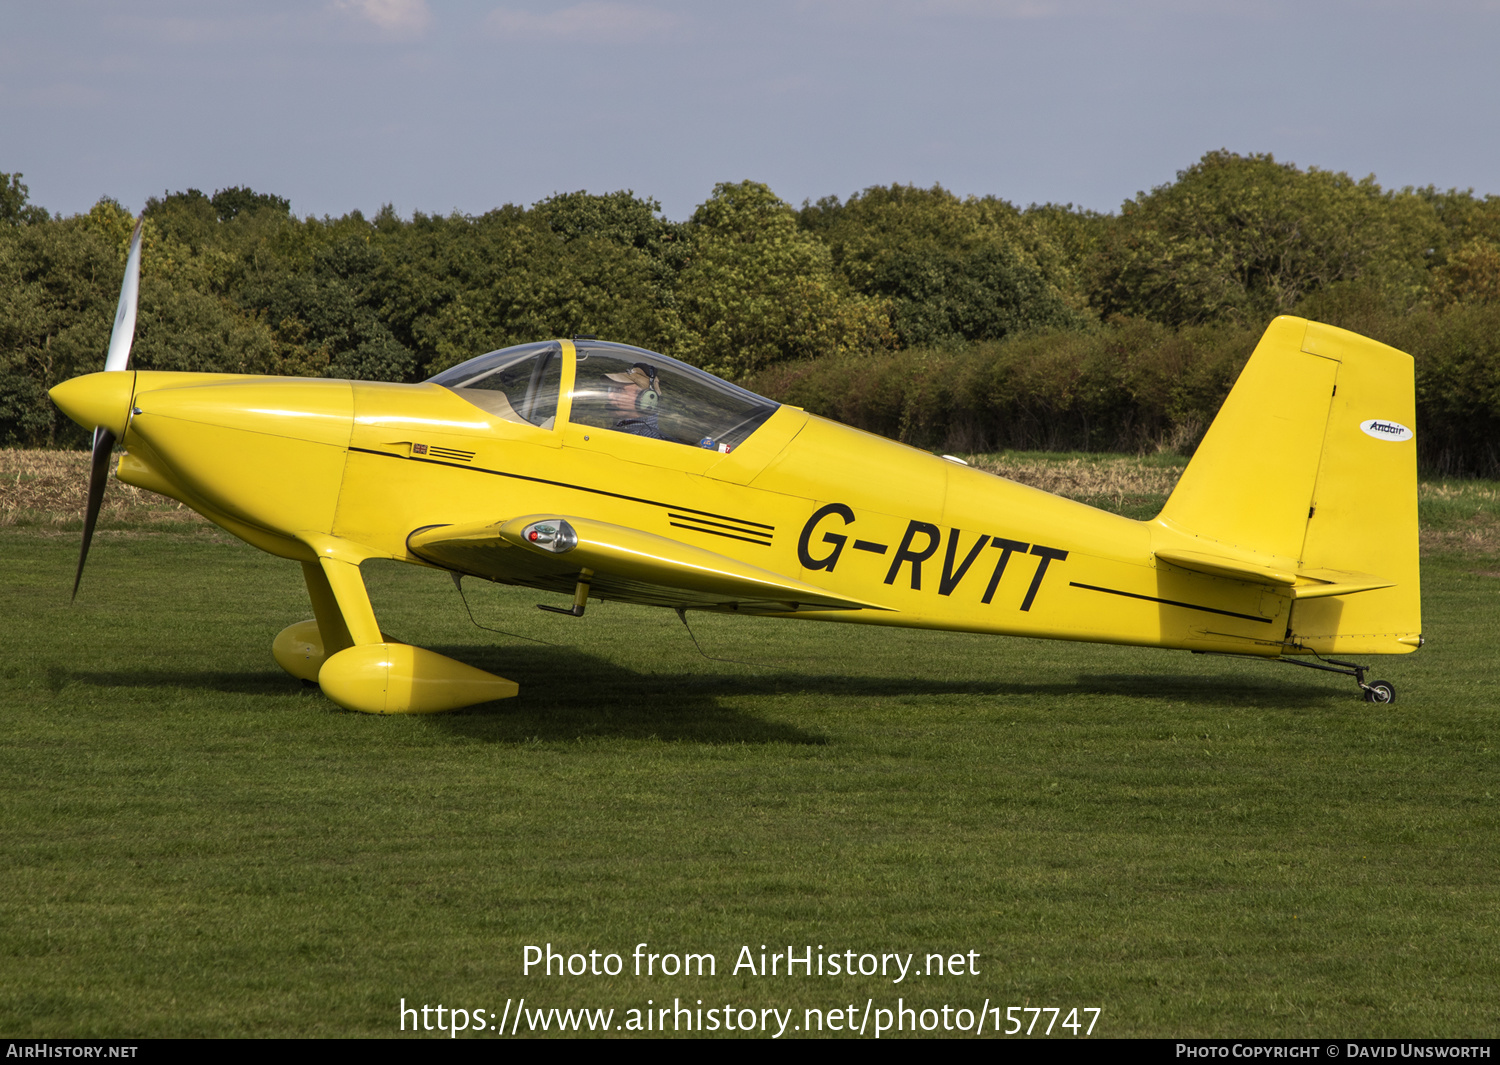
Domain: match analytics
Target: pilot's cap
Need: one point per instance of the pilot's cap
(640, 374)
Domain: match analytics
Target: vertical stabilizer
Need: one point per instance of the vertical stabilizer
(1250, 484)
(1308, 477)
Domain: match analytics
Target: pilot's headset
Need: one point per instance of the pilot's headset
(648, 398)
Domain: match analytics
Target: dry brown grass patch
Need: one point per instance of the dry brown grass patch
(1460, 516)
(1482, 537)
(1480, 493)
(1107, 477)
(50, 488)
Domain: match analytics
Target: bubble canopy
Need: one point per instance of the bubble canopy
(616, 387)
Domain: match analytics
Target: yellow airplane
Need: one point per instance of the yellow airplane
(598, 470)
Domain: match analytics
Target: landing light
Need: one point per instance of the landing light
(554, 536)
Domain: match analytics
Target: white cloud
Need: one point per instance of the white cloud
(592, 20)
(396, 17)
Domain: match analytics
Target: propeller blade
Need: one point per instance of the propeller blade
(123, 334)
(104, 444)
(118, 358)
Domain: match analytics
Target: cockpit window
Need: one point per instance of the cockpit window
(520, 384)
(631, 390)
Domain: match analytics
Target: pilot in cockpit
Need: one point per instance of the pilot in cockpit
(634, 398)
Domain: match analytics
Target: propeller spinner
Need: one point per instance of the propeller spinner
(118, 358)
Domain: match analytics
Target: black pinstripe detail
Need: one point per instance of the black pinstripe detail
(720, 525)
(715, 532)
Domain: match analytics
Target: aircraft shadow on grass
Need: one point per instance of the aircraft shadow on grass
(1226, 690)
(567, 694)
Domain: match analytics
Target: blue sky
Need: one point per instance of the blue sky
(440, 106)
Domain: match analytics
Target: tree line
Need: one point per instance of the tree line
(946, 321)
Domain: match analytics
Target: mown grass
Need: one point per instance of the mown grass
(197, 845)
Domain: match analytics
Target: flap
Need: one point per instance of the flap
(626, 563)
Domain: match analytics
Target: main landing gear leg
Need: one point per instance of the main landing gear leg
(361, 668)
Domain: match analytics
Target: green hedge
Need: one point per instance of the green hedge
(1133, 385)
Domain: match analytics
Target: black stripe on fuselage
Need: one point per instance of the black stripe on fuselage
(563, 484)
(1171, 602)
(715, 532)
(720, 525)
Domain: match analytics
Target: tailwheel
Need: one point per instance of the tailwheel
(1376, 691)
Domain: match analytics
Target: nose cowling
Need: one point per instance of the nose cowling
(97, 400)
(267, 451)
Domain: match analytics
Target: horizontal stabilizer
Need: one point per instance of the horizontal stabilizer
(1301, 584)
(1337, 582)
(1233, 568)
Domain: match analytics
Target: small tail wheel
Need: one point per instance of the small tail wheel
(1380, 691)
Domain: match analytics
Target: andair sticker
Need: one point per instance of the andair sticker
(1384, 430)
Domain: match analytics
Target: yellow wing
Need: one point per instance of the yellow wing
(552, 551)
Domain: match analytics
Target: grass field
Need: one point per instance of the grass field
(197, 845)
